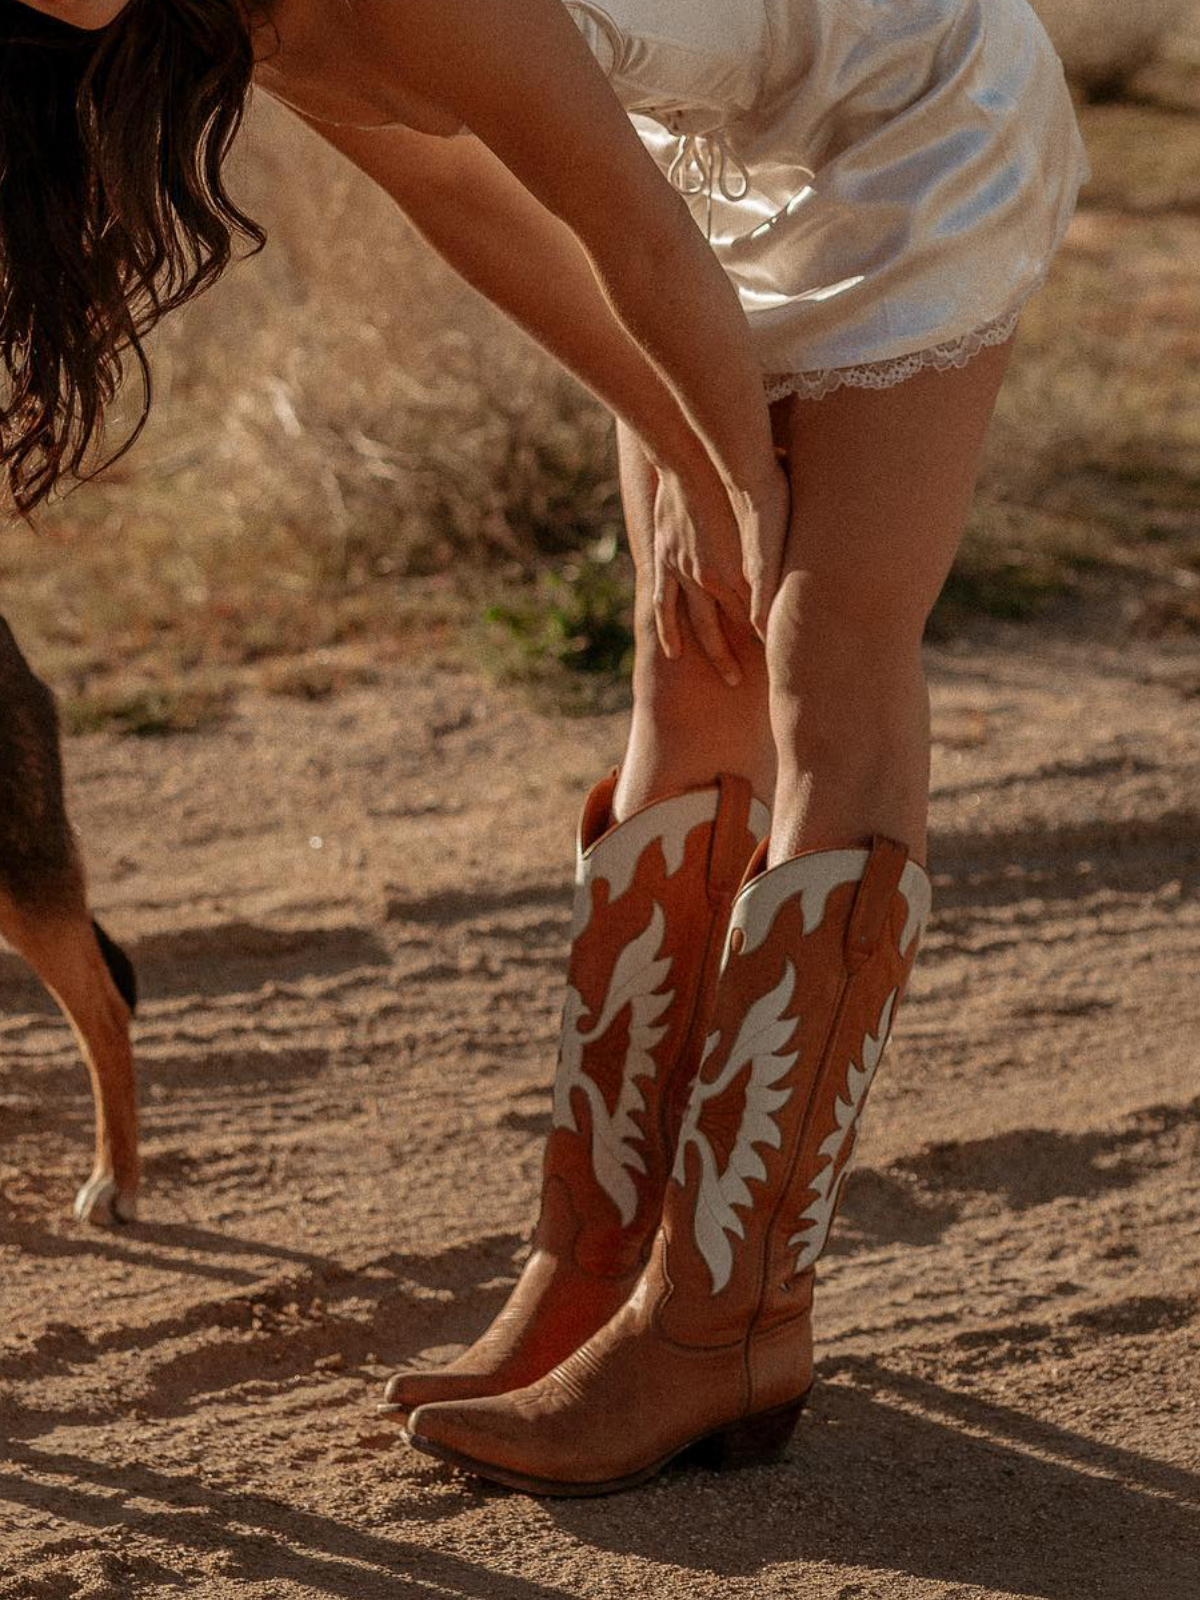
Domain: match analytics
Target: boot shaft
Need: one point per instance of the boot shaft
(652, 901)
(816, 958)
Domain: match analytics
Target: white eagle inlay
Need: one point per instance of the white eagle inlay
(847, 1112)
(764, 1033)
(636, 982)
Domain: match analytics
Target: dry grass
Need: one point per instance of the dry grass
(1104, 42)
(352, 457)
(1092, 479)
(348, 450)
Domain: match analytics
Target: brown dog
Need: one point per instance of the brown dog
(44, 916)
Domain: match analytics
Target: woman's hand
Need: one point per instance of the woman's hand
(763, 514)
(722, 553)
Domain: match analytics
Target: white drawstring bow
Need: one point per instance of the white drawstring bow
(699, 166)
(701, 159)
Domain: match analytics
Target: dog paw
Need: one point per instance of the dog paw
(100, 1201)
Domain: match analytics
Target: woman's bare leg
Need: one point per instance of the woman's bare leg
(688, 724)
(881, 485)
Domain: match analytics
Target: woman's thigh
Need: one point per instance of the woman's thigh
(882, 481)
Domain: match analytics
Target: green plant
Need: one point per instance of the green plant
(570, 632)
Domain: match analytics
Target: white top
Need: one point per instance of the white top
(877, 177)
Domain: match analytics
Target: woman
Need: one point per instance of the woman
(760, 231)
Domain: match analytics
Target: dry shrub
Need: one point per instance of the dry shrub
(348, 450)
(347, 386)
(1104, 42)
(351, 452)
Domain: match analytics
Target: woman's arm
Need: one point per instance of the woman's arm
(519, 74)
(504, 243)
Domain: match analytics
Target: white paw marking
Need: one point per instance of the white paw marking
(101, 1202)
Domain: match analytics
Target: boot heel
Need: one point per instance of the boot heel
(751, 1441)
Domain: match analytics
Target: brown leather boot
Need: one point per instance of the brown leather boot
(713, 1347)
(652, 903)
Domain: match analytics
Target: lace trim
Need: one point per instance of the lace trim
(885, 374)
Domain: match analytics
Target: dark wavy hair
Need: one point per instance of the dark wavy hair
(112, 209)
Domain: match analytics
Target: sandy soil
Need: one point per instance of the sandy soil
(350, 921)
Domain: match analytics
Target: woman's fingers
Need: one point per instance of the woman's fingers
(764, 580)
(666, 612)
(705, 618)
(764, 540)
(704, 605)
(730, 589)
(764, 571)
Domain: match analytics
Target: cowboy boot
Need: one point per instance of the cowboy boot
(652, 902)
(713, 1347)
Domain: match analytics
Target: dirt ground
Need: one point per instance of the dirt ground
(350, 923)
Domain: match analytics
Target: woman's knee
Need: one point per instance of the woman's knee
(830, 632)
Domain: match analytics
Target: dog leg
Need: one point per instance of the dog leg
(44, 916)
(64, 949)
